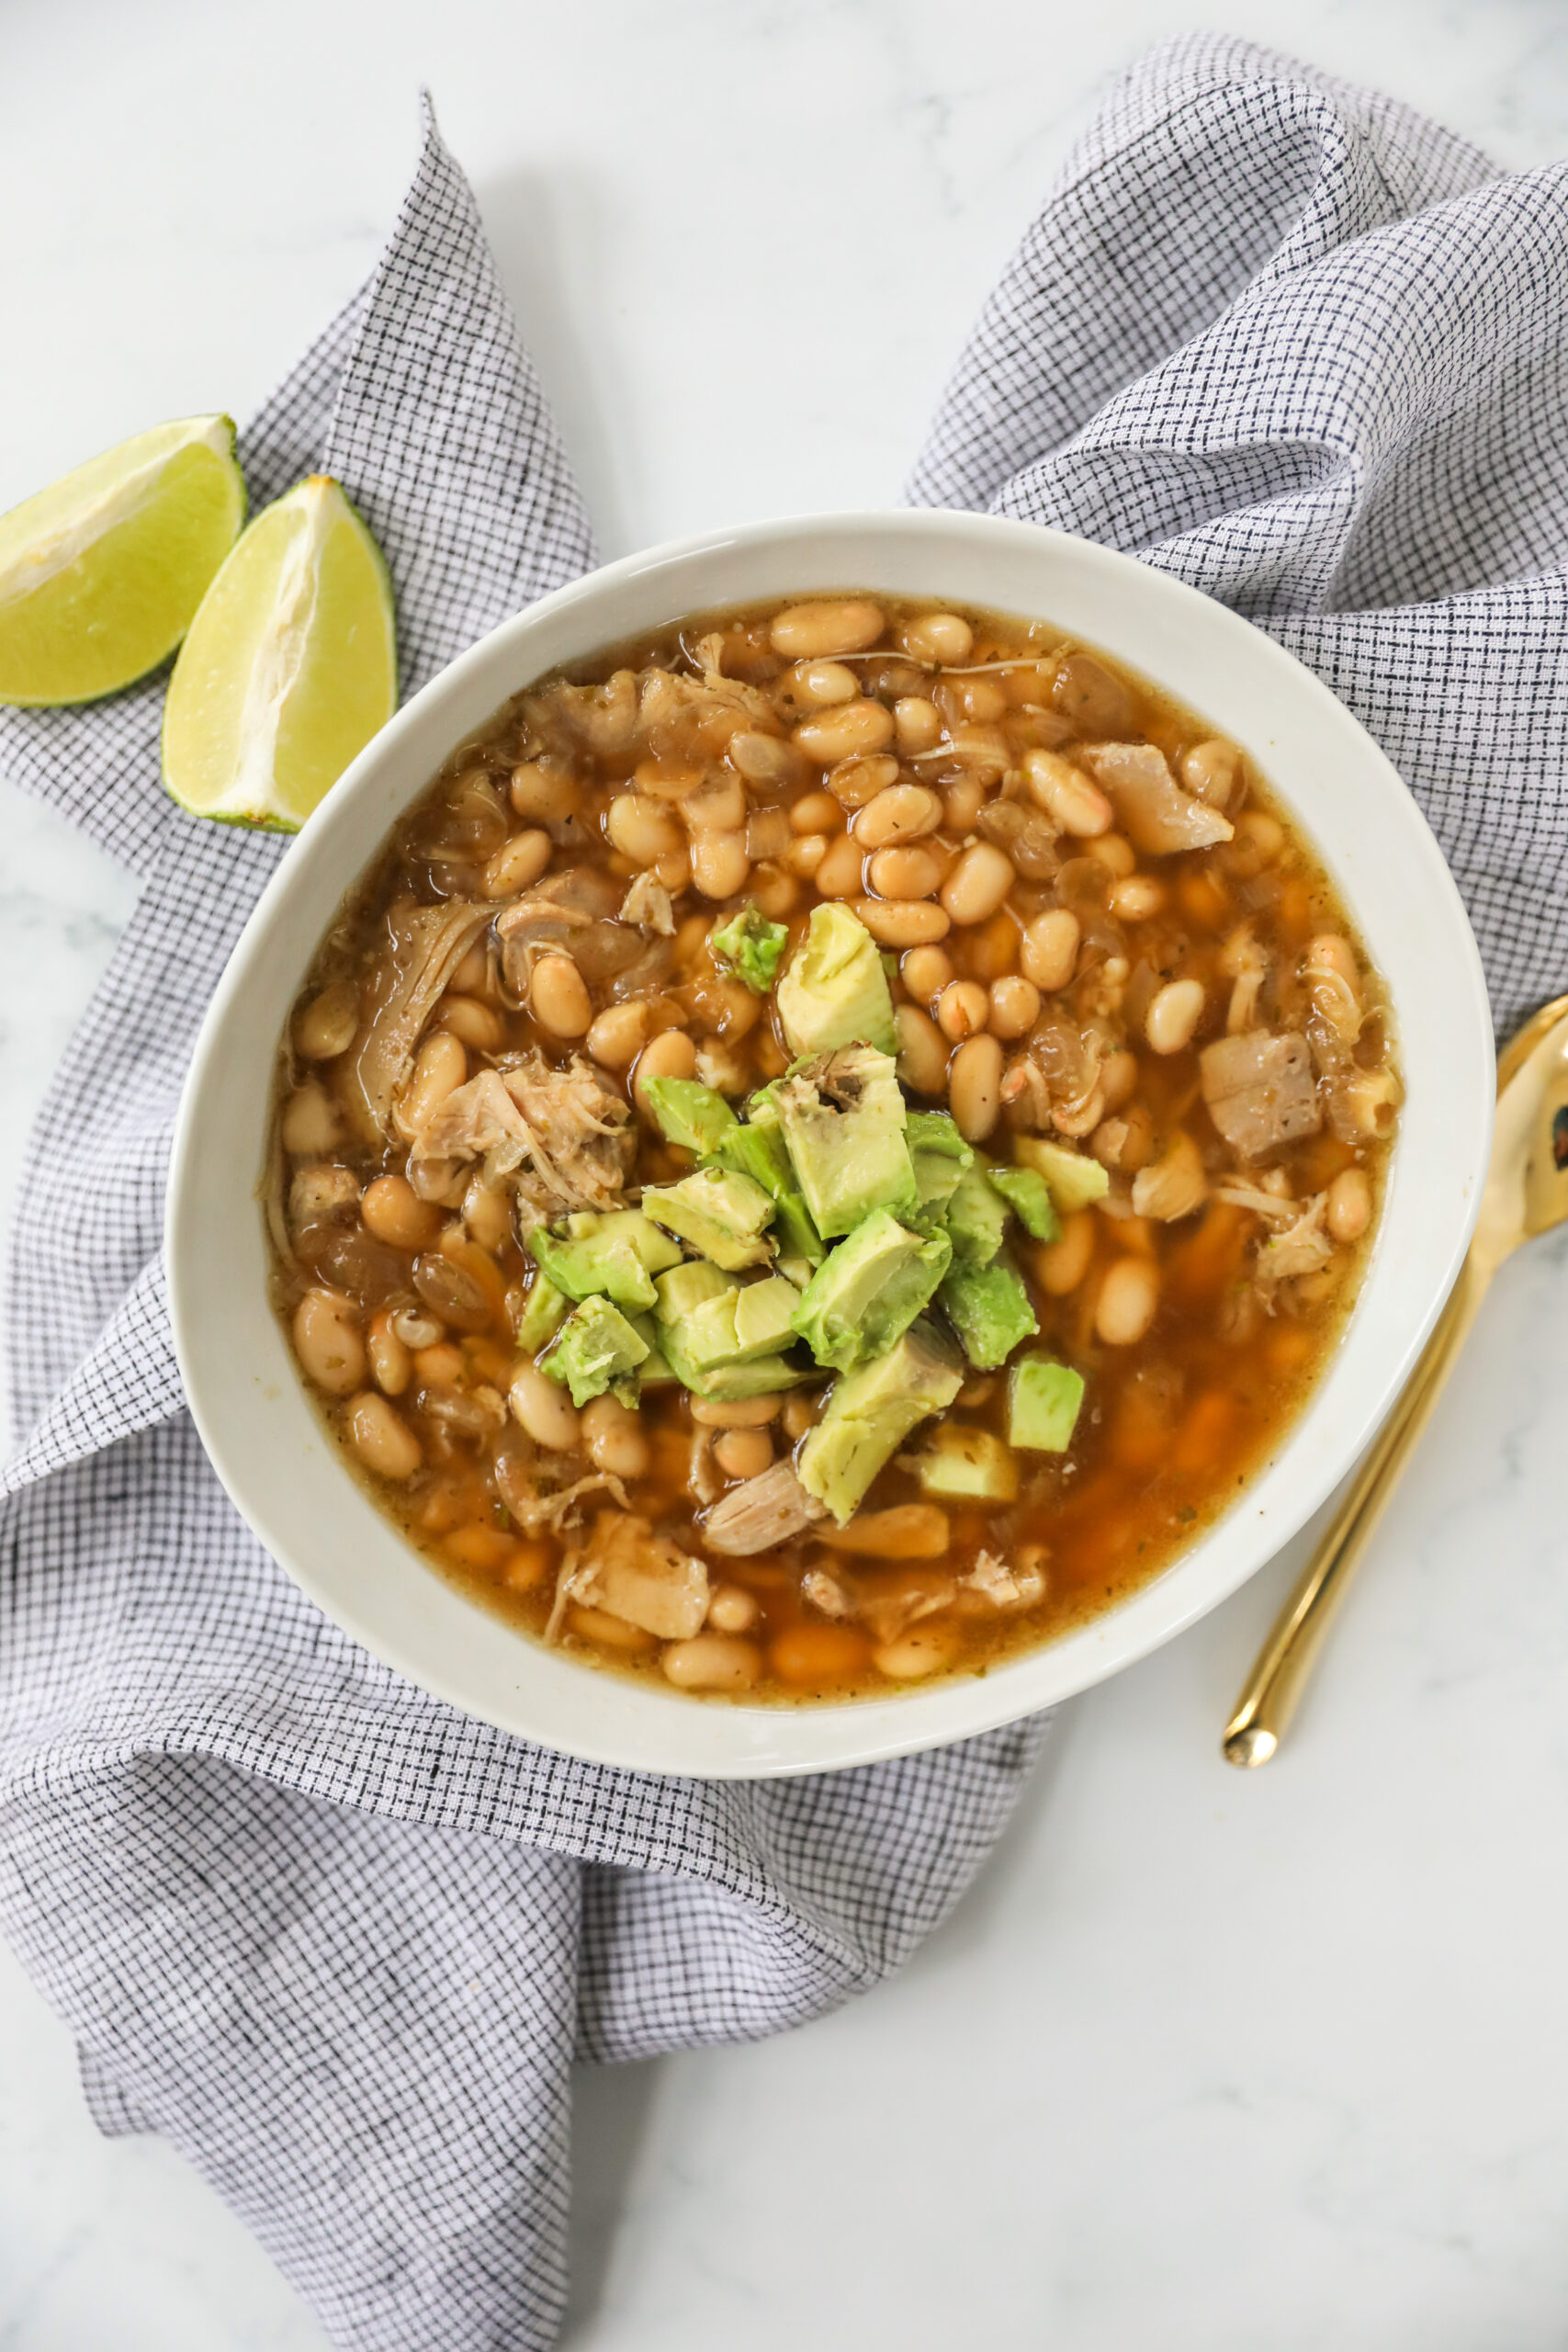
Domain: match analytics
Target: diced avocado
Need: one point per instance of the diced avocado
(688, 1113)
(1074, 1179)
(544, 1311)
(869, 1413)
(594, 1350)
(989, 1309)
(963, 1463)
(939, 1156)
(684, 1294)
(1028, 1195)
(753, 1319)
(613, 1255)
(721, 1213)
(684, 1288)
(976, 1218)
(869, 1290)
(1042, 1404)
(757, 1151)
(752, 947)
(835, 991)
(653, 1371)
(842, 1117)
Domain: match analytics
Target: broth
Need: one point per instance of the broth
(1107, 971)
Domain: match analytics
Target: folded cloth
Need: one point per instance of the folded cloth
(335, 1941)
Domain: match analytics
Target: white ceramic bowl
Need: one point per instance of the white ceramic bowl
(287, 1476)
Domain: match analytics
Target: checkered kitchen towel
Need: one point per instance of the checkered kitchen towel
(335, 1941)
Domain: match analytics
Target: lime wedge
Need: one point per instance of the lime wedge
(289, 668)
(100, 573)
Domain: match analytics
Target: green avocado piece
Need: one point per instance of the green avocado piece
(1043, 1399)
(688, 1113)
(989, 1309)
(843, 1121)
(835, 991)
(594, 1350)
(963, 1463)
(976, 1217)
(544, 1311)
(939, 1154)
(871, 1411)
(757, 1149)
(752, 1319)
(869, 1290)
(653, 1371)
(719, 1212)
(1073, 1178)
(614, 1255)
(683, 1296)
(1028, 1195)
(752, 947)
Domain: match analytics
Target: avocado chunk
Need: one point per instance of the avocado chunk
(683, 1296)
(757, 1149)
(869, 1290)
(988, 1307)
(594, 1350)
(688, 1113)
(751, 946)
(869, 1413)
(544, 1311)
(1028, 1195)
(976, 1218)
(734, 1325)
(939, 1154)
(613, 1255)
(1043, 1399)
(962, 1463)
(1073, 1178)
(653, 1371)
(835, 991)
(842, 1117)
(719, 1212)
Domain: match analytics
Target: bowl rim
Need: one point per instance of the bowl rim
(645, 1728)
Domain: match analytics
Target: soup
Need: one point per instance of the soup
(833, 1141)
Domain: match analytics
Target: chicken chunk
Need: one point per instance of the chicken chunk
(428, 945)
(762, 1511)
(1151, 808)
(1261, 1091)
(563, 1133)
(631, 1572)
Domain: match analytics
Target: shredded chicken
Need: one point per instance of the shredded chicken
(536, 1507)
(704, 1476)
(1273, 1207)
(601, 718)
(1153, 812)
(1302, 1249)
(1173, 1185)
(428, 945)
(566, 1130)
(991, 1579)
(922, 1593)
(760, 1512)
(648, 906)
(1261, 1091)
(720, 706)
(824, 1592)
(629, 1571)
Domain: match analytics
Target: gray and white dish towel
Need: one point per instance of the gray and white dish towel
(337, 1942)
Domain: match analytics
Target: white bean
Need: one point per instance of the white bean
(937, 637)
(713, 1662)
(1173, 1016)
(382, 1439)
(516, 864)
(719, 864)
(817, 630)
(612, 1435)
(974, 1087)
(1067, 795)
(558, 999)
(327, 1341)
(851, 731)
(922, 1051)
(1128, 1299)
(978, 884)
(670, 1055)
(545, 1412)
(1349, 1208)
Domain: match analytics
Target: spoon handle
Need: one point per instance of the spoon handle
(1279, 1674)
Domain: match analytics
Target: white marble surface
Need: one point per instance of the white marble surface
(1203, 2060)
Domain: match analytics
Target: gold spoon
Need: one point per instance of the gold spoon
(1525, 1193)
